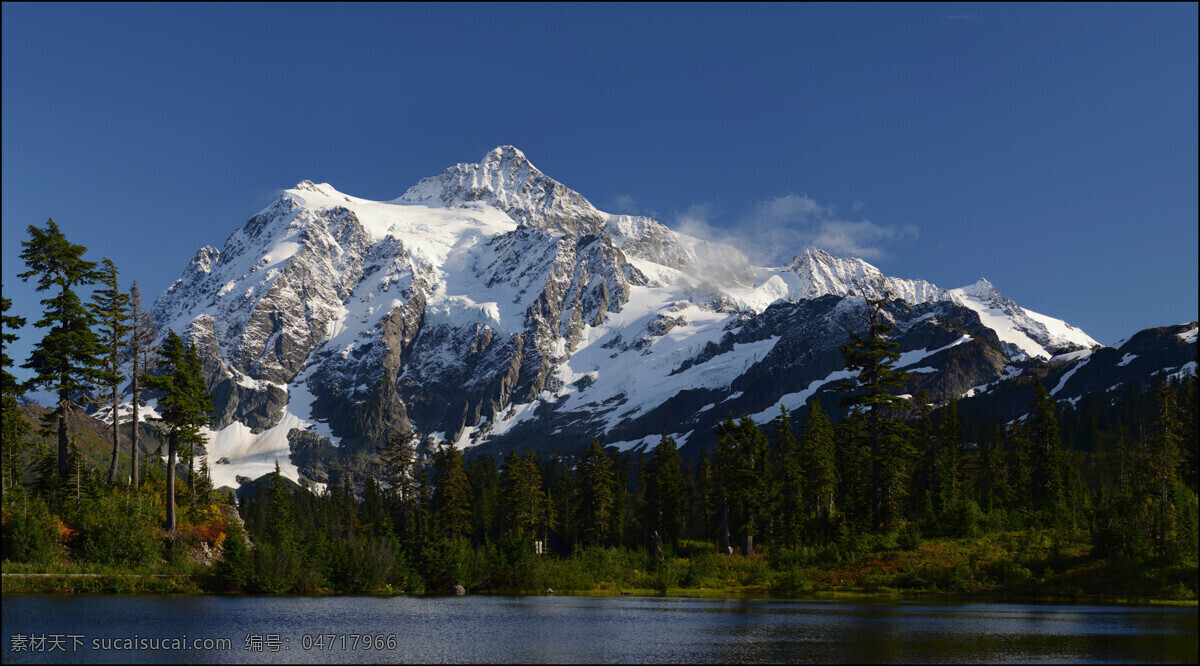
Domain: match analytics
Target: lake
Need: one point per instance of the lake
(535, 629)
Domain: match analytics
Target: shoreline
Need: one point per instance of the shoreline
(187, 584)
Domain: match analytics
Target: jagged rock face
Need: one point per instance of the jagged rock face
(821, 274)
(506, 180)
(492, 306)
(265, 321)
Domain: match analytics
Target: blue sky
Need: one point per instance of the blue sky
(1049, 148)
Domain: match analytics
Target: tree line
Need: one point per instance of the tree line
(81, 359)
(892, 466)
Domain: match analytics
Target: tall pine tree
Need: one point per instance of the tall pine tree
(874, 358)
(184, 407)
(452, 495)
(595, 497)
(66, 360)
(12, 426)
(141, 350)
(110, 309)
(819, 461)
(665, 492)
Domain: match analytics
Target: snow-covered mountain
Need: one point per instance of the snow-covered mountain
(493, 306)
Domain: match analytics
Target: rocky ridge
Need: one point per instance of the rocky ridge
(492, 306)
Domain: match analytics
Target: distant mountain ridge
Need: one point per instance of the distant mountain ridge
(493, 307)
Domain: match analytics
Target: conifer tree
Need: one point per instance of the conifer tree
(596, 500)
(1165, 457)
(743, 480)
(665, 492)
(452, 495)
(819, 462)
(725, 478)
(874, 358)
(485, 499)
(702, 509)
(141, 351)
(791, 472)
(184, 407)
(758, 496)
(924, 497)
(110, 309)
(398, 458)
(281, 526)
(949, 479)
(1046, 468)
(524, 501)
(1019, 488)
(65, 361)
(12, 426)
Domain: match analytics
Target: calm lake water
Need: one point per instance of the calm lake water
(86, 628)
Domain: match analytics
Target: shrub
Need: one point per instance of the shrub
(111, 534)
(909, 537)
(232, 571)
(362, 564)
(32, 536)
(275, 569)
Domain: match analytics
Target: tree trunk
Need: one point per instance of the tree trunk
(724, 527)
(133, 476)
(63, 442)
(171, 446)
(876, 482)
(112, 468)
(748, 545)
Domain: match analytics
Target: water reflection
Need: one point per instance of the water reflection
(609, 629)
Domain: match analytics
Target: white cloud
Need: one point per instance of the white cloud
(624, 204)
(780, 227)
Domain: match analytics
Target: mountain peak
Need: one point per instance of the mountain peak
(502, 154)
(507, 180)
(319, 188)
(982, 289)
(813, 256)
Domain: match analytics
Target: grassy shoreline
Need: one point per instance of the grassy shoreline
(1013, 567)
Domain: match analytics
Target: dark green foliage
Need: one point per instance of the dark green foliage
(66, 360)
(397, 457)
(184, 407)
(744, 479)
(525, 507)
(232, 571)
(873, 358)
(1165, 456)
(141, 351)
(664, 492)
(1047, 487)
(31, 535)
(110, 309)
(452, 495)
(802, 506)
(361, 564)
(109, 533)
(819, 462)
(791, 480)
(280, 523)
(13, 428)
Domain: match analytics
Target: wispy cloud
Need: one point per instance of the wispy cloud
(624, 204)
(779, 227)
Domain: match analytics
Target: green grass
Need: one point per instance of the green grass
(1012, 565)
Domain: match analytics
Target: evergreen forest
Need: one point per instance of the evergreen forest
(1095, 499)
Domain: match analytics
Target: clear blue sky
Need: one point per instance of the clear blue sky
(1049, 148)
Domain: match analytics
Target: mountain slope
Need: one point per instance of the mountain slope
(493, 306)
